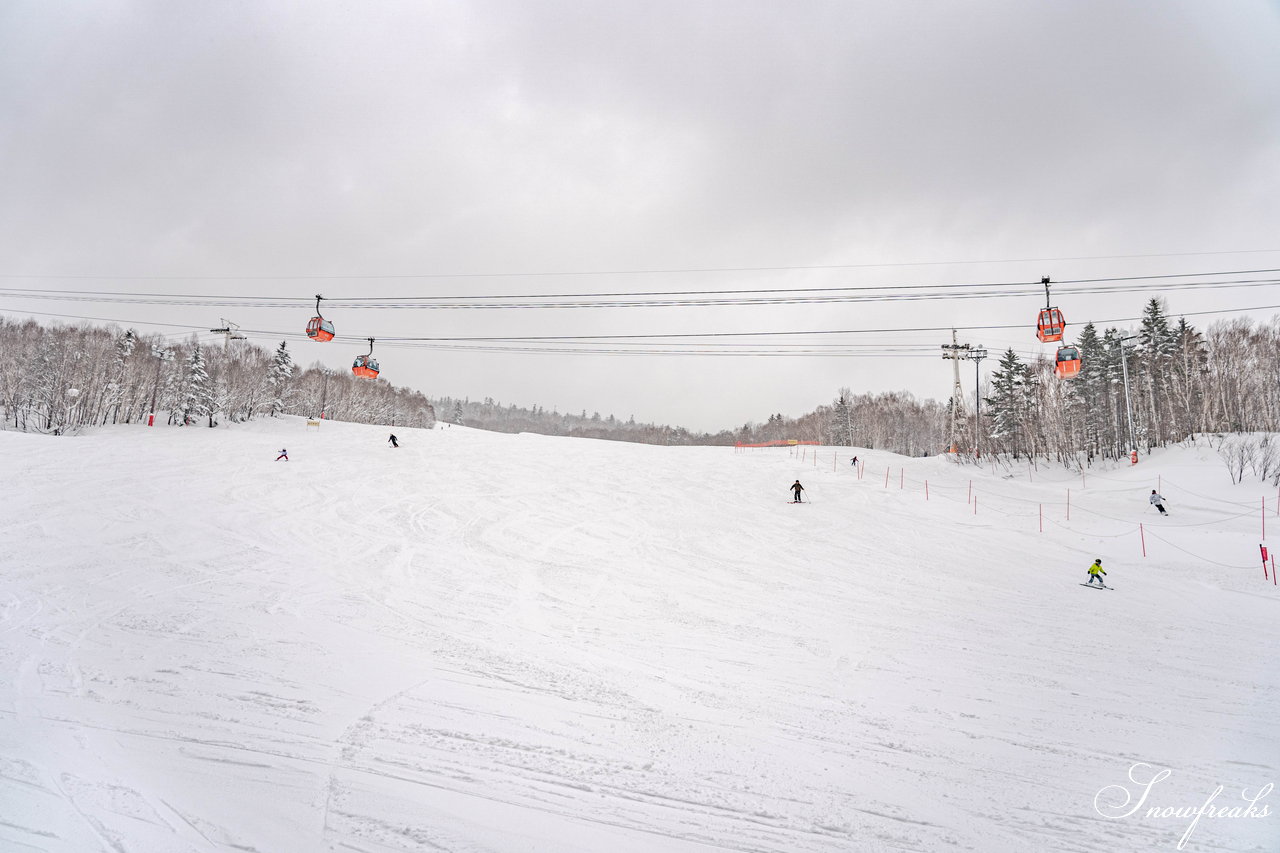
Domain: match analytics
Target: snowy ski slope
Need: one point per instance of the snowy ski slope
(483, 642)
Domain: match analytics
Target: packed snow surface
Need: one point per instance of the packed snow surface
(484, 642)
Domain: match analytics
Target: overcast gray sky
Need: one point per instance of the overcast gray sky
(475, 149)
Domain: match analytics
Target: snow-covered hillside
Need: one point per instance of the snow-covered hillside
(481, 642)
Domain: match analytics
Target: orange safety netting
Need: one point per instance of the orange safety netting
(787, 442)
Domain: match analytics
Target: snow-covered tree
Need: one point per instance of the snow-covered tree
(279, 378)
(840, 426)
(1010, 406)
(197, 389)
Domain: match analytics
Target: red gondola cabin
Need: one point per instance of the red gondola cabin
(366, 366)
(1050, 325)
(1068, 364)
(319, 329)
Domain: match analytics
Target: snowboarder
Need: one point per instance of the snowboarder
(796, 488)
(1158, 502)
(284, 454)
(1096, 573)
(394, 443)
(854, 462)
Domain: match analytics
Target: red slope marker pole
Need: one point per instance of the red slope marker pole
(1042, 518)
(886, 477)
(1068, 504)
(926, 490)
(1143, 535)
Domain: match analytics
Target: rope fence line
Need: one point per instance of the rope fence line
(1197, 556)
(1122, 491)
(1053, 503)
(1078, 507)
(1163, 481)
(941, 491)
(1128, 532)
(1224, 500)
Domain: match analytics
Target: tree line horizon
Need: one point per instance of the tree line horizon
(1182, 382)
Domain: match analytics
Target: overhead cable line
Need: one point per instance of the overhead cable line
(643, 299)
(808, 332)
(402, 341)
(660, 271)
(596, 350)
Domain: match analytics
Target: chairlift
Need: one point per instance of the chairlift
(319, 329)
(1068, 363)
(366, 366)
(1050, 324)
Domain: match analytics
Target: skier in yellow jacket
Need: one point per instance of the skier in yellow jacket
(1096, 573)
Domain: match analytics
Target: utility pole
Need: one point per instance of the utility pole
(977, 353)
(848, 421)
(162, 355)
(1128, 406)
(955, 351)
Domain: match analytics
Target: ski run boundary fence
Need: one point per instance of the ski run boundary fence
(1058, 512)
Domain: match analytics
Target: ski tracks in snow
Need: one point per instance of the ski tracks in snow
(499, 643)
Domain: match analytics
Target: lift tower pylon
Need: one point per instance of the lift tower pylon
(955, 352)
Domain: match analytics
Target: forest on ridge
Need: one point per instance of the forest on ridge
(1182, 382)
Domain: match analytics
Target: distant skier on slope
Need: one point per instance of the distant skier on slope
(796, 489)
(1158, 502)
(393, 441)
(854, 462)
(1096, 572)
(284, 454)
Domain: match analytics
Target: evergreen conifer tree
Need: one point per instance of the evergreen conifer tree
(278, 378)
(1010, 404)
(1087, 392)
(197, 397)
(840, 424)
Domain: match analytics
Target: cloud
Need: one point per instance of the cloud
(378, 138)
